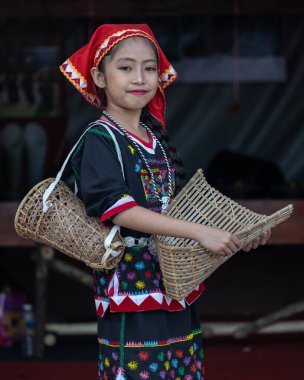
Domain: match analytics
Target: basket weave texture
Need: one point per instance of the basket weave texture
(183, 262)
(66, 226)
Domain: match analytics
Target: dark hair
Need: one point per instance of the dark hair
(163, 137)
(114, 49)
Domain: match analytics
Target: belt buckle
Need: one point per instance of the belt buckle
(142, 242)
(129, 240)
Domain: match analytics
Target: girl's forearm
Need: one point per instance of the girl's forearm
(140, 219)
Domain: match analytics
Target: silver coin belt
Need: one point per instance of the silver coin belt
(150, 242)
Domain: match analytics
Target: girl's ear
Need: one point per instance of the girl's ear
(98, 77)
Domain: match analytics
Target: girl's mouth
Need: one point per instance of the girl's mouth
(138, 92)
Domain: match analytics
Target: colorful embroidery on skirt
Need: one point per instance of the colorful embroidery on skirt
(148, 360)
(184, 363)
(155, 343)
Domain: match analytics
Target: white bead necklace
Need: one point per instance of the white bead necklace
(165, 199)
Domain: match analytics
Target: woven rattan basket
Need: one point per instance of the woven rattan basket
(183, 262)
(66, 227)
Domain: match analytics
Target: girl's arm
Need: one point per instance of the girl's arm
(216, 240)
(140, 219)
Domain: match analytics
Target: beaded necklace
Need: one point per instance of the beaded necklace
(165, 199)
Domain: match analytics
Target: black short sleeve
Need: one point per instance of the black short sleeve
(101, 183)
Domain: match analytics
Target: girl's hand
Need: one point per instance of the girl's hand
(218, 241)
(261, 240)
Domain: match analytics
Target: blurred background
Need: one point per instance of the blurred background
(236, 111)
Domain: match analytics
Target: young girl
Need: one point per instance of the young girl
(142, 333)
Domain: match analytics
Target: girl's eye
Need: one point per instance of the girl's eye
(125, 68)
(151, 68)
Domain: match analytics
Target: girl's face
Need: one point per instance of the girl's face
(130, 75)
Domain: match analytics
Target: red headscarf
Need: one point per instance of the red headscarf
(77, 68)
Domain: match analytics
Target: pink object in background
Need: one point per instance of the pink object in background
(11, 317)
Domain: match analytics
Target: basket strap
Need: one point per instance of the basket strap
(110, 237)
(118, 151)
(115, 228)
(116, 147)
(48, 191)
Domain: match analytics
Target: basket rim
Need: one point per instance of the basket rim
(160, 239)
(24, 200)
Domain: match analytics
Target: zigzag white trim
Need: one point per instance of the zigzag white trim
(118, 299)
(97, 303)
(139, 299)
(170, 304)
(158, 297)
(105, 305)
(74, 75)
(117, 34)
(165, 77)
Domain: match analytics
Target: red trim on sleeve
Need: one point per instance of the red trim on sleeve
(118, 209)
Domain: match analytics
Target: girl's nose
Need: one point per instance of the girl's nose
(138, 77)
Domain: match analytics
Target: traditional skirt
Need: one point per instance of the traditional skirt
(151, 345)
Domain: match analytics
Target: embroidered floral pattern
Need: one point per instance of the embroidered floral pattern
(133, 365)
(128, 257)
(156, 363)
(143, 355)
(140, 265)
(144, 375)
(158, 167)
(140, 285)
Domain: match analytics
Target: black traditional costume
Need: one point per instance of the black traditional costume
(142, 333)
